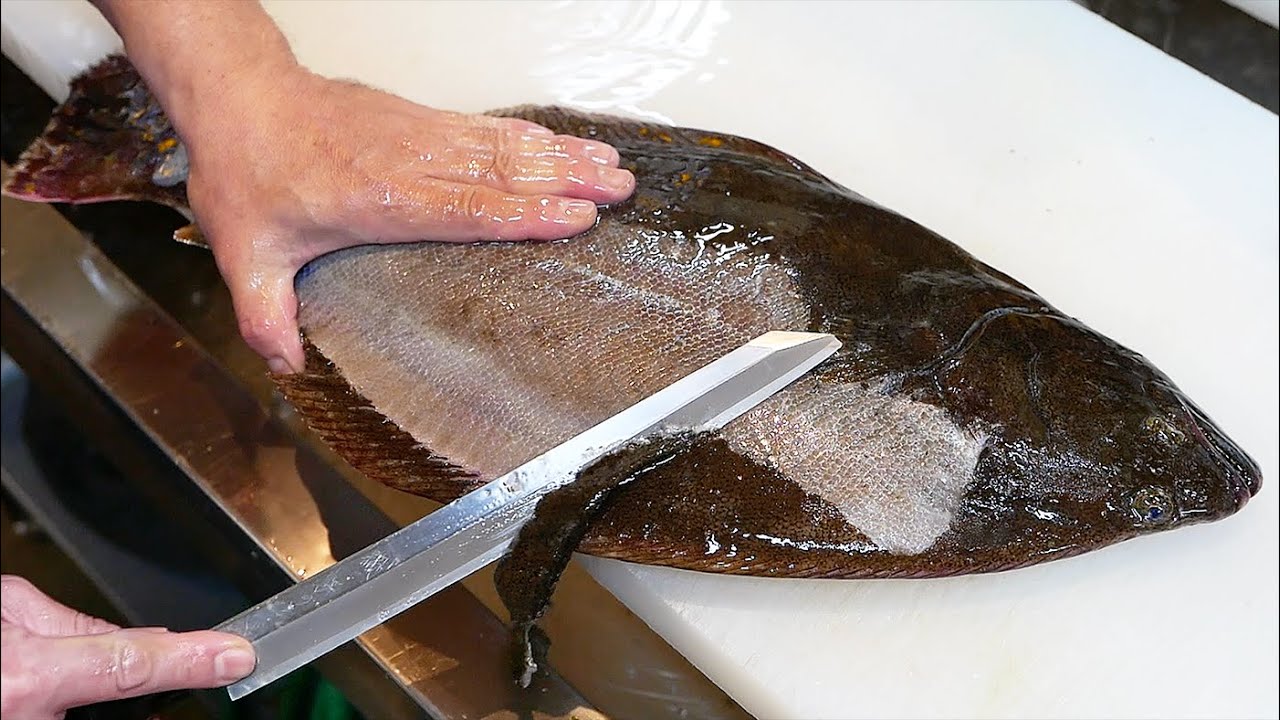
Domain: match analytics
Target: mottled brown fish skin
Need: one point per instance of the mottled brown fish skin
(108, 141)
(526, 577)
(1083, 443)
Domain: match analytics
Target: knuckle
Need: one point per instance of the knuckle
(131, 666)
(506, 165)
(489, 149)
(18, 597)
(256, 333)
(469, 205)
(481, 166)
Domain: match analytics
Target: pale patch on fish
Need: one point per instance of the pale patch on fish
(895, 468)
(573, 332)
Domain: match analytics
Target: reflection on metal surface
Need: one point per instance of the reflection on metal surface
(615, 56)
(448, 654)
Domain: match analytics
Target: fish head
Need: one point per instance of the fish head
(1113, 439)
(1184, 468)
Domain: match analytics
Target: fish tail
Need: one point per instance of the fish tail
(110, 140)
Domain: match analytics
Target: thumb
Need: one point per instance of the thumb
(253, 258)
(129, 663)
(267, 310)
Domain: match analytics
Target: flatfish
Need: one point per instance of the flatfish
(966, 425)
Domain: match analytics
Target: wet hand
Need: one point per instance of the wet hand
(292, 167)
(286, 165)
(55, 658)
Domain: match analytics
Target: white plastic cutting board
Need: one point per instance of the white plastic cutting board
(1127, 188)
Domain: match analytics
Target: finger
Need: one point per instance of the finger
(508, 123)
(267, 310)
(516, 125)
(129, 663)
(24, 605)
(597, 152)
(524, 163)
(442, 211)
(539, 140)
(262, 294)
(257, 261)
(524, 126)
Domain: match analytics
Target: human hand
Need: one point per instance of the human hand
(55, 658)
(290, 169)
(286, 165)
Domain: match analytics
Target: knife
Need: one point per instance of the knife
(359, 592)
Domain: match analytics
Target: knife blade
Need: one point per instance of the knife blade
(373, 585)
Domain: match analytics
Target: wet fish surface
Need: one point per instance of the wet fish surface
(965, 426)
(526, 576)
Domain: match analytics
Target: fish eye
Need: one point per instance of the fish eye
(1153, 506)
(1163, 430)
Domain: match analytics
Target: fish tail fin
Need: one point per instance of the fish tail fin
(110, 140)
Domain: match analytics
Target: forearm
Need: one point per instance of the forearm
(192, 53)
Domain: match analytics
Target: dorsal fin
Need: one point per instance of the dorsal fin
(367, 440)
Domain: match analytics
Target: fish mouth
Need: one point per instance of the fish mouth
(1242, 472)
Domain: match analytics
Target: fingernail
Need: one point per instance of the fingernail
(234, 663)
(615, 179)
(579, 208)
(279, 366)
(602, 154)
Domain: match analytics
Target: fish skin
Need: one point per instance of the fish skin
(527, 575)
(966, 425)
(109, 107)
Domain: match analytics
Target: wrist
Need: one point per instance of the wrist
(224, 97)
(200, 55)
